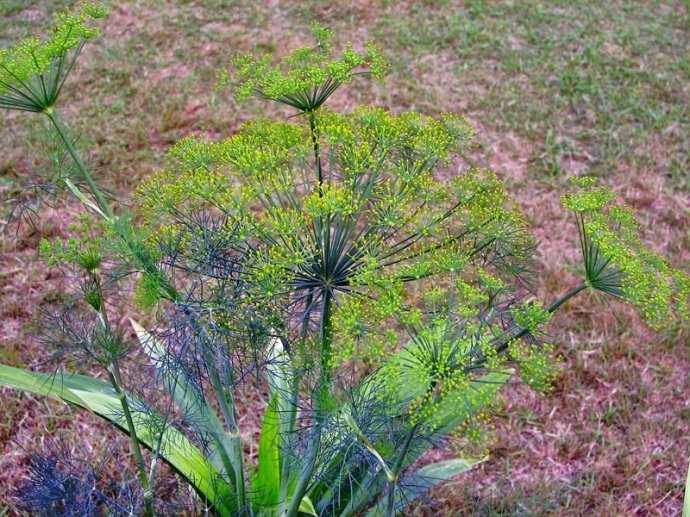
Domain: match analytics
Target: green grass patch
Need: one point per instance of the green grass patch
(602, 84)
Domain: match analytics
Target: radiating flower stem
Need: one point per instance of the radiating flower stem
(103, 205)
(317, 149)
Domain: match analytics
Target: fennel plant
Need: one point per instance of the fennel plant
(327, 262)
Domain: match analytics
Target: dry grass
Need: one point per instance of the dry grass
(554, 88)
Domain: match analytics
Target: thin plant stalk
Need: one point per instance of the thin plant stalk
(397, 467)
(103, 205)
(504, 340)
(116, 381)
(317, 149)
(115, 378)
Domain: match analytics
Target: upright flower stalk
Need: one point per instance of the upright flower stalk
(317, 150)
(325, 335)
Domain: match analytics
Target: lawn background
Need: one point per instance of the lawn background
(554, 88)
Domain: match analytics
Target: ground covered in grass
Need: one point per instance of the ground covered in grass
(555, 88)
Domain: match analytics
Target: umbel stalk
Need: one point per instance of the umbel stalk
(114, 374)
(103, 205)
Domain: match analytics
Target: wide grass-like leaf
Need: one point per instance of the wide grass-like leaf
(101, 399)
(267, 475)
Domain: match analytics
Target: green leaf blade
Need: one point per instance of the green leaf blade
(267, 476)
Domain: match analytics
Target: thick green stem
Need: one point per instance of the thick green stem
(317, 149)
(85, 174)
(398, 466)
(322, 392)
(114, 371)
(567, 296)
(326, 339)
(517, 332)
(116, 381)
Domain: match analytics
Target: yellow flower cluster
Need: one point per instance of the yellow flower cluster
(641, 275)
(306, 77)
(23, 64)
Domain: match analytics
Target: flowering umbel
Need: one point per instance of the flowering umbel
(33, 72)
(617, 262)
(308, 76)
